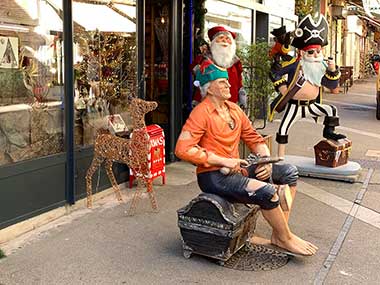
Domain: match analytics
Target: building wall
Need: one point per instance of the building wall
(34, 117)
(354, 45)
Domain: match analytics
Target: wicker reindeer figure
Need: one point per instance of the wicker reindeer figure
(133, 152)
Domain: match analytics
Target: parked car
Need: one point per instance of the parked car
(378, 96)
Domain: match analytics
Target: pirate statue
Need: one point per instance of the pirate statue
(300, 82)
(281, 48)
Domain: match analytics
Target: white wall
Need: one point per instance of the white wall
(353, 53)
(284, 8)
(354, 24)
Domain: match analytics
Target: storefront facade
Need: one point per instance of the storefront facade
(66, 66)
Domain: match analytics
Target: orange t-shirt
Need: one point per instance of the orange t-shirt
(210, 133)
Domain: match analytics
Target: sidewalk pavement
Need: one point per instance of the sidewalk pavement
(104, 246)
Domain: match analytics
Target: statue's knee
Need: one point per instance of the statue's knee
(291, 175)
(266, 197)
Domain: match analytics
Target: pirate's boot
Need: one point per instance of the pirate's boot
(329, 130)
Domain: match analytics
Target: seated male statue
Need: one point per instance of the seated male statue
(210, 139)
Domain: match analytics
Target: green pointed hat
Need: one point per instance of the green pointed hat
(207, 71)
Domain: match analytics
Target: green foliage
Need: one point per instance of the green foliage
(2, 254)
(303, 7)
(199, 21)
(256, 65)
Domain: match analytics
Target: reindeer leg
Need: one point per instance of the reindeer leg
(96, 162)
(111, 176)
(152, 196)
(136, 198)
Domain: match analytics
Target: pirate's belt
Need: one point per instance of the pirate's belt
(283, 100)
(301, 102)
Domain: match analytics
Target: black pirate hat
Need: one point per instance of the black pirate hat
(313, 33)
(279, 31)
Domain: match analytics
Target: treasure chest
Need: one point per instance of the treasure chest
(332, 153)
(213, 227)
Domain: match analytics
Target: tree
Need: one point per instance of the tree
(256, 65)
(304, 7)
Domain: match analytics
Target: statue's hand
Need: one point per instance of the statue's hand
(263, 171)
(233, 165)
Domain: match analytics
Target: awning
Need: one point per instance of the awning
(372, 21)
(102, 18)
(99, 17)
(49, 18)
(125, 10)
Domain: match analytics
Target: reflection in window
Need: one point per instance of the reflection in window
(235, 18)
(31, 72)
(105, 65)
(31, 116)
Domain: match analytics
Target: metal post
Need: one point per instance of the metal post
(140, 7)
(175, 74)
(253, 23)
(69, 101)
(336, 40)
(190, 90)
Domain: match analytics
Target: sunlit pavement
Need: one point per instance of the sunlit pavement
(104, 246)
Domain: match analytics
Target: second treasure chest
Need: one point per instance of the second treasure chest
(213, 227)
(332, 153)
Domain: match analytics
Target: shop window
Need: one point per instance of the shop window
(235, 18)
(31, 111)
(31, 73)
(105, 63)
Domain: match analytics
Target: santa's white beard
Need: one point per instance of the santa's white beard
(313, 71)
(222, 55)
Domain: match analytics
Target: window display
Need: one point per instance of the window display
(31, 117)
(31, 72)
(105, 75)
(105, 65)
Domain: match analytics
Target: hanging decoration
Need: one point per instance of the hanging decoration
(108, 67)
(161, 25)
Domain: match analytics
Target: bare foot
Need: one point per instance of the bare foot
(259, 240)
(295, 245)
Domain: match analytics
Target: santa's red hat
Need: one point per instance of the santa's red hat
(214, 31)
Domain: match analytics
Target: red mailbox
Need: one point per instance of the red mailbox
(156, 156)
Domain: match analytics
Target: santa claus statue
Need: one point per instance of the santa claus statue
(299, 83)
(223, 53)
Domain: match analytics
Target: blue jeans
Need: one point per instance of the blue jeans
(234, 187)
